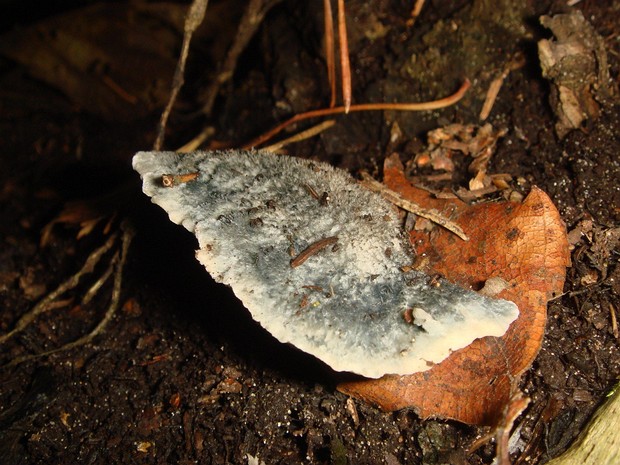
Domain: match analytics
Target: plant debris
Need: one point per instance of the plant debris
(576, 63)
(477, 142)
(525, 245)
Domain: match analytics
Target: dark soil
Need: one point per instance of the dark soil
(182, 374)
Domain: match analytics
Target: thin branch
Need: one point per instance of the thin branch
(119, 260)
(197, 141)
(70, 283)
(249, 24)
(303, 135)
(193, 19)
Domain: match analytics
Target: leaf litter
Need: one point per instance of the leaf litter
(525, 245)
(586, 299)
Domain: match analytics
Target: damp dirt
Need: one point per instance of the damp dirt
(182, 374)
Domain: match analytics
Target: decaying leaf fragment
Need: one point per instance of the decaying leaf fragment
(477, 142)
(576, 63)
(318, 260)
(523, 244)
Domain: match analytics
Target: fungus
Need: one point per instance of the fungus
(358, 326)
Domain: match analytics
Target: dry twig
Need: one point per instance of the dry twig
(495, 86)
(417, 9)
(193, 19)
(250, 22)
(118, 262)
(313, 249)
(405, 204)
(46, 303)
(303, 135)
(198, 140)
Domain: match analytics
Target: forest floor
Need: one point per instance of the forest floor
(181, 373)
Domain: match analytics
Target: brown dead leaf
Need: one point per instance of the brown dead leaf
(576, 63)
(99, 59)
(81, 213)
(115, 60)
(523, 244)
(477, 142)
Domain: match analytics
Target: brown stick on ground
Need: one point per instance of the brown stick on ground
(405, 204)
